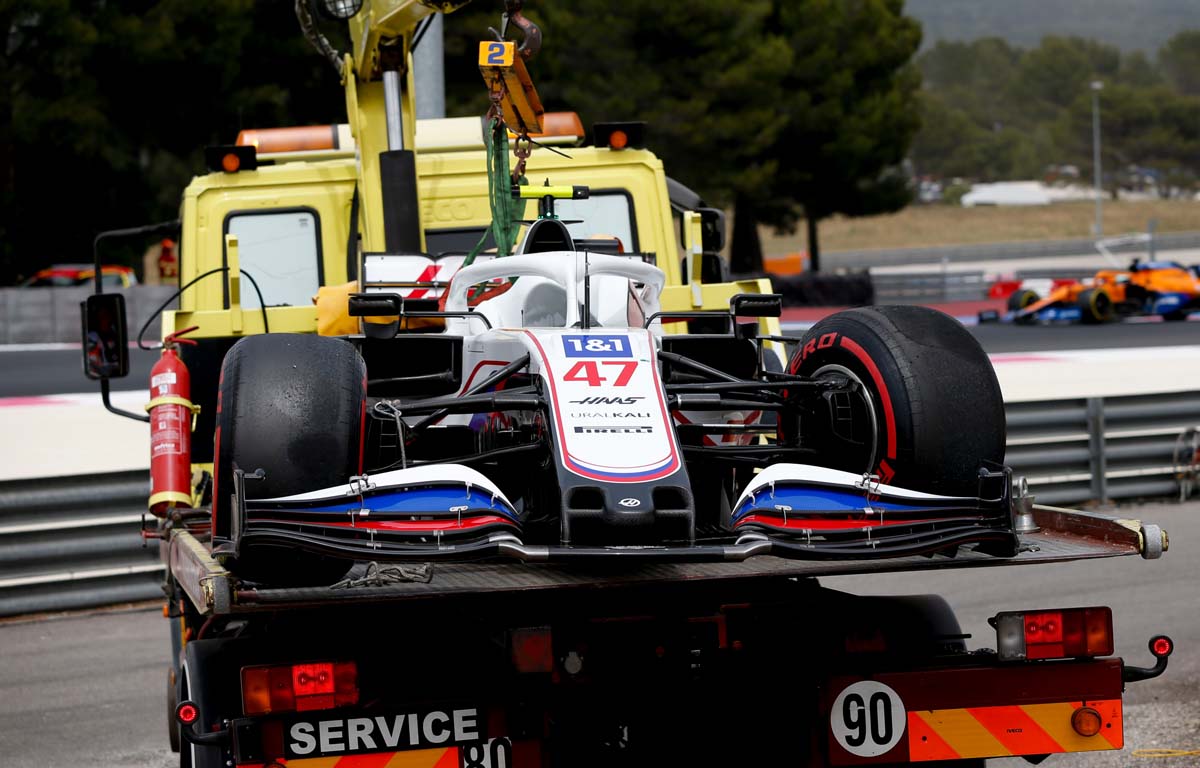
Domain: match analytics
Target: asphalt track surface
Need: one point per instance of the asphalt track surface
(90, 688)
(1005, 337)
(25, 372)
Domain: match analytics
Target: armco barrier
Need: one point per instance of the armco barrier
(75, 542)
(1100, 449)
(930, 287)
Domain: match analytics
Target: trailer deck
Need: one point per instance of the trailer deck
(1064, 535)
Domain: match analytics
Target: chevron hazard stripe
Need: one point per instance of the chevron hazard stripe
(446, 757)
(1029, 729)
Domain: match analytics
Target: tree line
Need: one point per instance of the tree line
(788, 111)
(992, 111)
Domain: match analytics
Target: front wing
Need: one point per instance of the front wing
(452, 512)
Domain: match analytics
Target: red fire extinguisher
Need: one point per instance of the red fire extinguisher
(172, 418)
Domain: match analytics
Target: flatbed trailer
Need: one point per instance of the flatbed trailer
(519, 664)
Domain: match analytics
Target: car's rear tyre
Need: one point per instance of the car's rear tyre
(932, 397)
(291, 405)
(1175, 317)
(1096, 306)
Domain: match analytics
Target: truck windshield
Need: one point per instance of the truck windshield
(605, 213)
(281, 251)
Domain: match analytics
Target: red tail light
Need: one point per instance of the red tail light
(299, 687)
(1062, 634)
(533, 650)
(186, 712)
(1161, 646)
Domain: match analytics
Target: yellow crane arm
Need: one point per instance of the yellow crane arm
(381, 112)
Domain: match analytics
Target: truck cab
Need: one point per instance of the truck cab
(290, 218)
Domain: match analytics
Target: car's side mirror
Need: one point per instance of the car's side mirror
(105, 341)
(756, 305)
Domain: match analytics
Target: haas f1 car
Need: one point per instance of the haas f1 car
(1166, 289)
(544, 411)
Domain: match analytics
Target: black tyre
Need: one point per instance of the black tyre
(291, 405)
(187, 750)
(1176, 316)
(172, 702)
(1021, 298)
(934, 408)
(1096, 306)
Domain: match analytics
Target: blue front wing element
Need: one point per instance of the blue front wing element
(809, 499)
(441, 500)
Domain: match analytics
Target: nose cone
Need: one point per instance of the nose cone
(628, 513)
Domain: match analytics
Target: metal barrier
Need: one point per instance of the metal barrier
(75, 542)
(959, 285)
(929, 287)
(1100, 449)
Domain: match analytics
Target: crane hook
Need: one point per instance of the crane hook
(531, 34)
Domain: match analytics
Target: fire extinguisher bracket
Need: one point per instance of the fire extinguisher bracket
(176, 400)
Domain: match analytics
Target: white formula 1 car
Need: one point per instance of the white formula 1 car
(541, 411)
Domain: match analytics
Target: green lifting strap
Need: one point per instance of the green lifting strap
(507, 213)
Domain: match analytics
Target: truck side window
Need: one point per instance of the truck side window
(282, 251)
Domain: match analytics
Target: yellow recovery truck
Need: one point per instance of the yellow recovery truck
(442, 483)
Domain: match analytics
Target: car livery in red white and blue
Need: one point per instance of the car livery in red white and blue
(569, 423)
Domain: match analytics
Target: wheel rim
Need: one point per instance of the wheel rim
(832, 369)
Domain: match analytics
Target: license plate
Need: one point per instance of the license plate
(982, 712)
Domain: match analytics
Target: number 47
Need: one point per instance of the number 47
(589, 371)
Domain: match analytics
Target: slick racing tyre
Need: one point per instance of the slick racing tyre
(291, 405)
(932, 411)
(1095, 306)
(1021, 299)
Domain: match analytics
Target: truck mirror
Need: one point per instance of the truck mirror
(713, 228)
(105, 342)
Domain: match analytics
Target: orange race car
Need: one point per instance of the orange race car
(1167, 289)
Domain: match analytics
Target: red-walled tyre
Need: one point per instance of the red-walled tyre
(934, 411)
(291, 405)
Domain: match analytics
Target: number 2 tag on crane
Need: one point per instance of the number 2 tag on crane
(510, 87)
(497, 54)
(867, 718)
